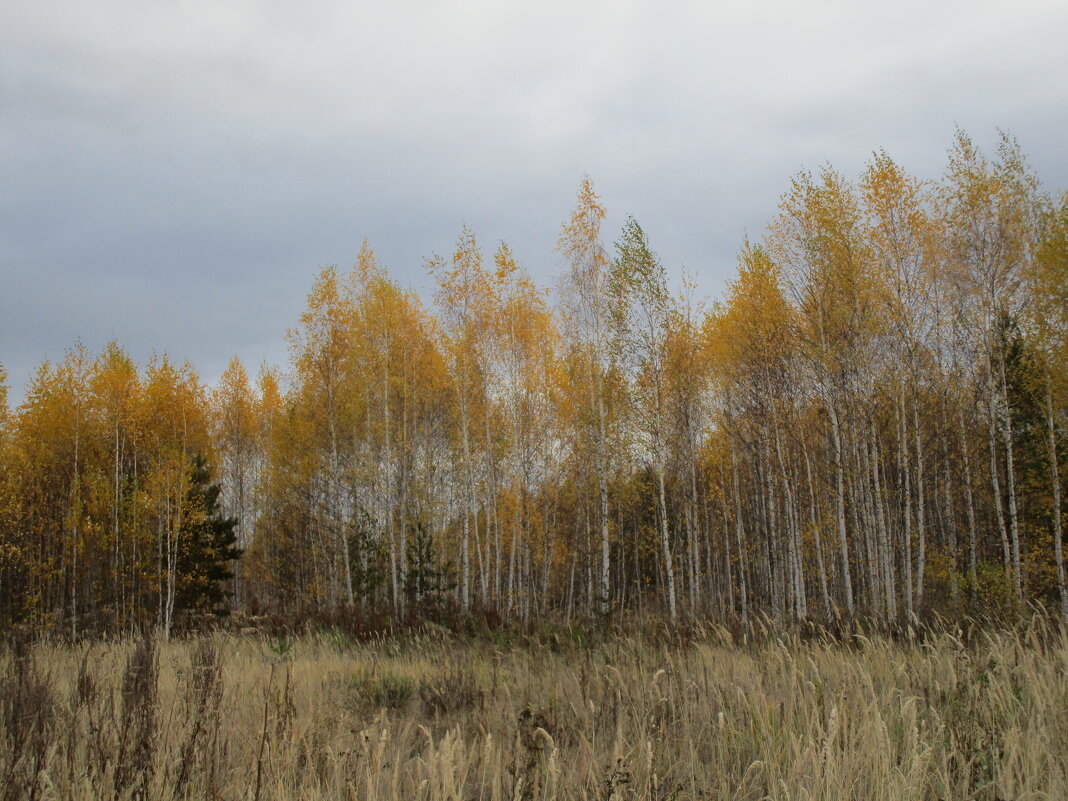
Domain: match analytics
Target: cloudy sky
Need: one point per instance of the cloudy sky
(174, 173)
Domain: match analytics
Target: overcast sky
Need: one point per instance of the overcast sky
(174, 174)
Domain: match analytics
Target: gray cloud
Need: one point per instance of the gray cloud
(175, 173)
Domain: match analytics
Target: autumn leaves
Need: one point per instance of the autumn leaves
(870, 422)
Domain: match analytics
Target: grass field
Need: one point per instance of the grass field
(557, 715)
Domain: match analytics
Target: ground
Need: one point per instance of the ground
(549, 714)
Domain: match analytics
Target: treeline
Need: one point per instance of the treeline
(870, 422)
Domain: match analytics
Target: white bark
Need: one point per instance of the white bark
(1055, 480)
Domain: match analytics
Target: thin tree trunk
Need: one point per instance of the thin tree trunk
(1010, 480)
(904, 469)
(840, 512)
(666, 545)
(973, 574)
(602, 482)
(1055, 480)
(739, 533)
(727, 558)
(954, 568)
(996, 485)
(465, 544)
(885, 562)
(387, 495)
(691, 532)
(921, 530)
(797, 581)
(821, 568)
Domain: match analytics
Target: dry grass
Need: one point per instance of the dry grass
(432, 717)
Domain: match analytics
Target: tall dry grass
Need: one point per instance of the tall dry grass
(429, 716)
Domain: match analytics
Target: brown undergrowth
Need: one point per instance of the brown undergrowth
(432, 716)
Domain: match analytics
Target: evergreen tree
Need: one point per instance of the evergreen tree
(368, 559)
(427, 581)
(207, 546)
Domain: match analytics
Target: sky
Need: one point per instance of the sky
(175, 174)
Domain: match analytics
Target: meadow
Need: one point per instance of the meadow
(929, 713)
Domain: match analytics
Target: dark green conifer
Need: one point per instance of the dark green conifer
(208, 544)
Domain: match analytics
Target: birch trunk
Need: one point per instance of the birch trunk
(905, 470)
(1010, 481)
(602, 481)
(465, 544)
(1055, 480)
(666, 545)
(821, 568)
(973, 574)
(739, 533)
(840, 512)
(996, 484)
(921, 528)
(886, 560)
